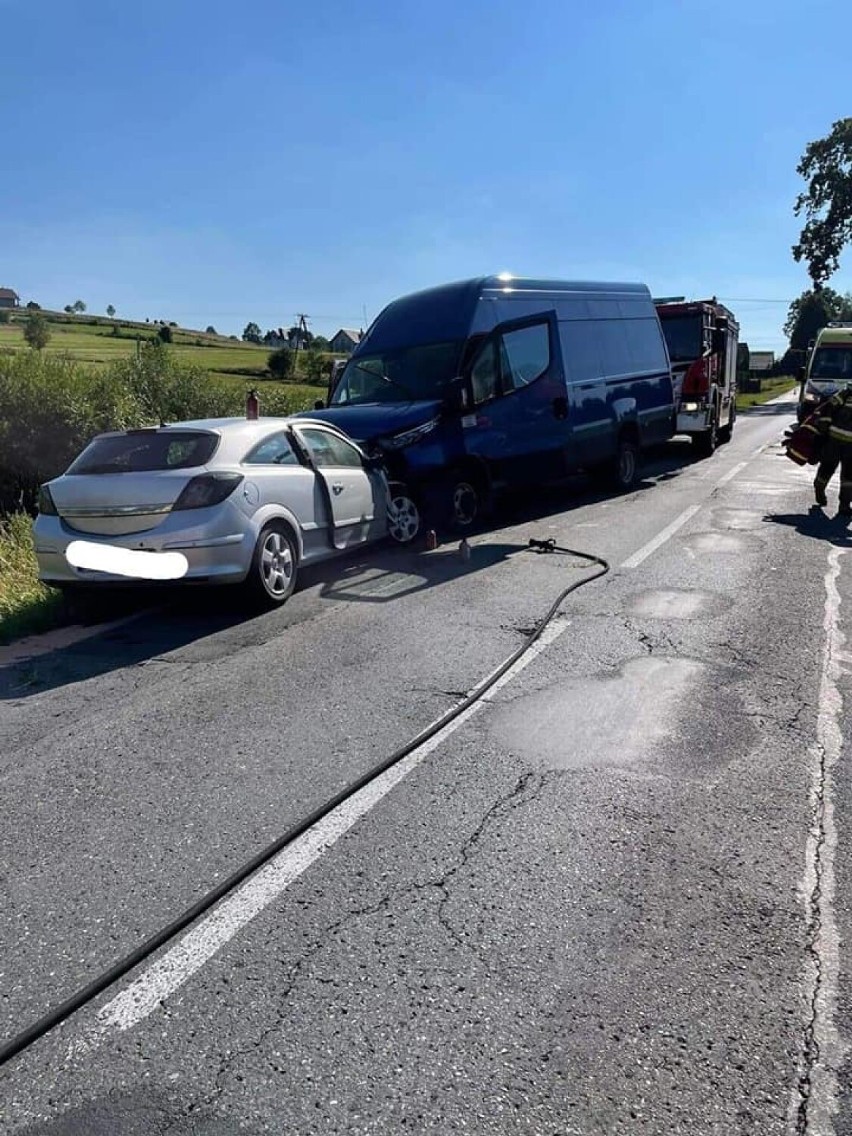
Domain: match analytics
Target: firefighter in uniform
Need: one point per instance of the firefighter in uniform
(834, 422)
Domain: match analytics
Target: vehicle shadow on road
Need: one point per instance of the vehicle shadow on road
(816, 524)
(171, 617)
(147, 1113)
(397, 573)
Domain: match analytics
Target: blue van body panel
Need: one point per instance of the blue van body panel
(602, 372)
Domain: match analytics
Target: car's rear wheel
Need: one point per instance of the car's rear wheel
(274, 566)
(403, 515)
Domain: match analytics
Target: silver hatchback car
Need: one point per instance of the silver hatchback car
(215, 501)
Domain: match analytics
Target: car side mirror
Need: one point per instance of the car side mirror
(373, 461)
(801, 374)
(457, 396)
(319, 404)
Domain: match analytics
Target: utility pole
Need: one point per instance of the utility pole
(302, 332)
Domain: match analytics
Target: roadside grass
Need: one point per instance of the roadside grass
(26, 606)
(769, 389)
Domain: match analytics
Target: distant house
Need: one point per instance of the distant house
(761, 360)
(9, 299)
(344, 341)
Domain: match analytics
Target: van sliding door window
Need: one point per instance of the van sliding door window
(525, 355)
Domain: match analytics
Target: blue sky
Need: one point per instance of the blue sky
(216, 163)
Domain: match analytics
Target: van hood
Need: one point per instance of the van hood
(370, 421)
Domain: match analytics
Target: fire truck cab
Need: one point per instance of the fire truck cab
(702, 337)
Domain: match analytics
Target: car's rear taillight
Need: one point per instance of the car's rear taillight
(45, 503)
(207, 489)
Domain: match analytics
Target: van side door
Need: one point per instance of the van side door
(519, 422)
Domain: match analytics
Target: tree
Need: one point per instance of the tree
(68, 309)
(165, 334)
(321, 343)
(5, 316)
(36, 331)
(32, 306)
(79, 307)
(110, 310)
(812, 311)
(316, 367)
(251, 333)
(211, 330)
(280, 363)
(827, 202)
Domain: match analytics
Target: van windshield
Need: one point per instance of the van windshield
(406, 374)
(832, 363)
(683, 337)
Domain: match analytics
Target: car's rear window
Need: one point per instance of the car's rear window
(137, 452)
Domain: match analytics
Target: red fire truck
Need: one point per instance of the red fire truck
(702, 340)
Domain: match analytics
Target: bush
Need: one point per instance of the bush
(316, 367)
(51, 407)
(5, 315)
(165, 333)
(211, 330)
(36, 331)
(280, 363)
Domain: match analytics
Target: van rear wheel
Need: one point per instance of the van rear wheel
(623, 472)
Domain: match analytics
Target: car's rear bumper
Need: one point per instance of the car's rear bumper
(220, 557)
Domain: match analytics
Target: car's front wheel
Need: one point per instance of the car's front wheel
(274, 566)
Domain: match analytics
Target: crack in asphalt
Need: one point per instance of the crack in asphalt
(810, 1045)
(515, 798)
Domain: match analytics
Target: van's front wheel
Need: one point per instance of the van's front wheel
(466, 501)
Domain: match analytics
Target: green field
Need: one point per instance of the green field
(98, 344)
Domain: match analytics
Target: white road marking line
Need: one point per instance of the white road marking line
(162, 978)
(645, 551)
(818, 881)
(732, 473)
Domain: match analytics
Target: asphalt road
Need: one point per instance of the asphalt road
(614, 899)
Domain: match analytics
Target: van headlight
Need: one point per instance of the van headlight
(408, 437)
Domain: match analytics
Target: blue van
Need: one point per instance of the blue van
(488, 384)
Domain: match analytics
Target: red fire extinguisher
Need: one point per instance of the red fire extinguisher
(252, 405)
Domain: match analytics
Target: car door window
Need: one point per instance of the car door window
(328, 450)
(276, 450)
(525, 355)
